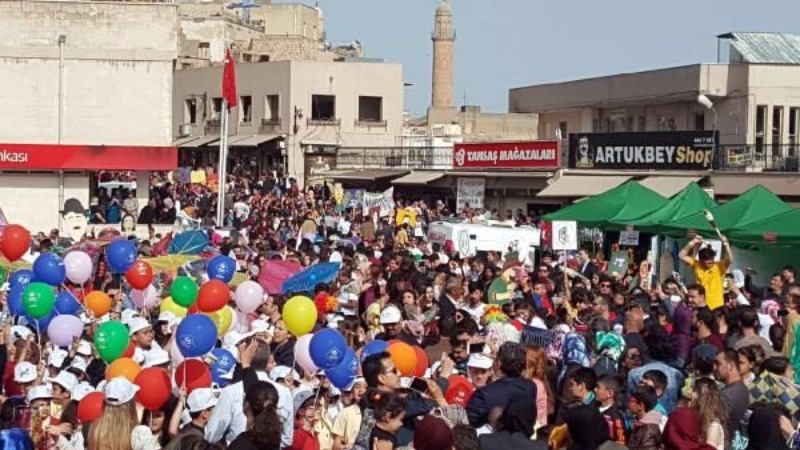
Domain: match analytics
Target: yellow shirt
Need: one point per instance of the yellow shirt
(712, 280)
(347, 424)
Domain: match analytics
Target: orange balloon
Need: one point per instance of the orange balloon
(404, 358)
(98, 302)
(422, 362)
(123, 367)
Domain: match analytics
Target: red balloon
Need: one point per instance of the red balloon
(140, 275)
(194, 309)
(15, 242)
(91, 407)
(422, 362)
(154, 388)
(214, 295)
(195, 373)
(130, 350)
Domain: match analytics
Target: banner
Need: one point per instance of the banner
(470, 191)
(352, 198)
(507, 155)
(565, 235)
(670, 150)
(619, 263)
(381, 201)
(87, 157)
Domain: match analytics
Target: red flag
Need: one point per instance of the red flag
(229, 81)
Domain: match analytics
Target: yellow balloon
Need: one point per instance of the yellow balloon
(169, 305)
(222, 319)
(299, 315)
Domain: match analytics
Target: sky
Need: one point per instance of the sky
(503, 44)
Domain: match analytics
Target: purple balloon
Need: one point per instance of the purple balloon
(64, 329)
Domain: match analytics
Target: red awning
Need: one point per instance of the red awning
(86, 157)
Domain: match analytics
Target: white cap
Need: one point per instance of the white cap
(480, 361)
(352, 384)
(282, 372)
(119, 391)
(390, 314)
(201, 399)
(66, 380)
(155, 357)
(168, 317)
(300, 397)
(79, 364)
(128, 315)
(260, 326)
(25, 372)
(233, 338)
(19, 332)
(56, 358)
(42, 391)
(81, 390)
(84, 348)
(138, 324)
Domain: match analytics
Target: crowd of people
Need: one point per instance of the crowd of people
(569, 356)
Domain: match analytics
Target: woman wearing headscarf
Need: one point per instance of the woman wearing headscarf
(682, 431)
(764, 430)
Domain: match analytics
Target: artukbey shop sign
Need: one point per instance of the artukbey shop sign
(671, 150)
(506, 155)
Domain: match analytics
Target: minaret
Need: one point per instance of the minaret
(444, 38)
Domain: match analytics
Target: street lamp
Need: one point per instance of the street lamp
(706, 102)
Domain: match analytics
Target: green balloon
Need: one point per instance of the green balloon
(184, 291)
(38, 299)
(111, 340)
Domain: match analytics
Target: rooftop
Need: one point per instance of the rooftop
(763, 48)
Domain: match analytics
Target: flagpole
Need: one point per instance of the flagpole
(223, 157)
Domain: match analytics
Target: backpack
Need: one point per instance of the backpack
(367, 424)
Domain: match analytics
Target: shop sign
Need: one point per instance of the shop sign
(86, 157)
(670, 150)
(470, 191)
(507, 155)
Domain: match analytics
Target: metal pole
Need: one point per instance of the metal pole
(62, 39)
(223, 147)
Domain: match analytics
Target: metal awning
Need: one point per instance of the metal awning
(508, 174)
(252, 140)
(577, 186)
(199, 142)
(668, 186)
(181, 141)
(370, 175)
(421, 177)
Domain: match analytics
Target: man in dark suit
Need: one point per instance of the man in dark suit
(586, 267)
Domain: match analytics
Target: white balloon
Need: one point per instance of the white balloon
(249, 296)
(78, 266)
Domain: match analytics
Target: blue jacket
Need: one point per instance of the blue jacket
(497, 393)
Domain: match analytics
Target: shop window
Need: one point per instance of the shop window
(245, 109)
(190, 111)
(323, 107)
(370, 109)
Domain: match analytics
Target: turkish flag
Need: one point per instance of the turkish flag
(229, 81)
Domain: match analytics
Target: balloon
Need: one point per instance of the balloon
(168, 305)
(66, 303)
(214, 295)
(327, 348)
(130, 351)
(344, 373)
(14, 300)
(184, 291)
(196, 335)
(459, 390)
(373, 348)
(50, 269)
(222, 363)
(78, 266)
(146, 299)
(299, 315)
(222, 319)
(98, 302)
(140, 275)
(221, 268)
(302, 355)
(90, 407)
(63, 329)
(38, 299)
(404, 357)
(154, 387)
(111, 340)
(15, 242)
(422, 362)
(121, 254)
(123, 367)
(41, 324)
(194, 374)
(23, 276)
(249, 296)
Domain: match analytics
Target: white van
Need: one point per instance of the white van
(469, 239)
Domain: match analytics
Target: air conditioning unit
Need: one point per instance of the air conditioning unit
(185, 130)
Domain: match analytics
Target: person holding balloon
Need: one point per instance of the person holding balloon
(141, 334)
(117, 428)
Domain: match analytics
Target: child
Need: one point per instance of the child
(608, 387)
(658, 381)
(581, 384)
(646, 433)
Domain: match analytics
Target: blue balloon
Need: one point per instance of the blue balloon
(196, 335)
(23, 276)
(342, 375)
(121, 255)
(327, 348)
(66, 303)
(223, 362)
(49, 268)
(221, 268)
(373, 348)
(15, 299)
(16, 439)
(44, 322)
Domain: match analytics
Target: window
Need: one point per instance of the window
(761, 119)
(641, 123)
(777, 130)
(216, 108)
(204, 50)
(699, 121)
(272, 108)
(370, 109)
(190, 111)
(629, 123)
(245, 109)
(562, 130)
(794, 116)
(323, 107)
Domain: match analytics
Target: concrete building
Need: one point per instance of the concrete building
(292, 116)
(86, 86)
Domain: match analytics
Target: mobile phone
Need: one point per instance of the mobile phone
(476, 347)
(419, 385)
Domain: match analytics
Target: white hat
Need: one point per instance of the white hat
(480, 361)
(390, 314)
(233, 338)
(79, 363)
(56, 358)
(84, 348)
(260, 326)
(138, 324)
(352, 384)
(19, 332)
(81, 390)
(201, 399)
(128, 315)
(25, 372)
(155, 357)
(66, 380)
(300, 397)
(282, 372)
(168, 317)
(119, 391)
(41, 391)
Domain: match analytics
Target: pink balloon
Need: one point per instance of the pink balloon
(249, 296)
(302, 354)
(64, 329)
(175, 354)
(147, 298)
(78, 267)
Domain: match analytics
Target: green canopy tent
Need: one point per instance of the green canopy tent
(780, 229)
(754, 205)
(615, 207)
(691, 200)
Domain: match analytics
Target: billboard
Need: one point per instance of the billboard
(506, 155)
(669, 150)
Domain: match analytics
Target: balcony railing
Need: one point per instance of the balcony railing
(370, 123)
(323, 122)
(412, 158)
(759, 158)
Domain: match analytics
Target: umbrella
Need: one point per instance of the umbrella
(275, 272)
(169, 262)
(308, 279)
(189, 243)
